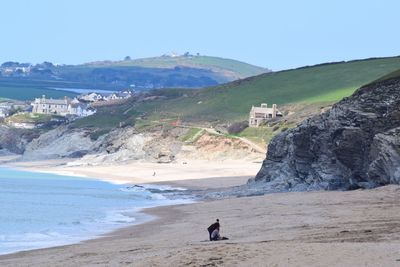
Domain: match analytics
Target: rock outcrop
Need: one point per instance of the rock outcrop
(59, 143)
(356, 144)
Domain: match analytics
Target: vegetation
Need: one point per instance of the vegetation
(30, 118)
(28, 90)
(236, 68)
(238, 127)
(142, 74)
(192, 135)
(317, 84)
(395, 74)
(262, 135)
(107, 118)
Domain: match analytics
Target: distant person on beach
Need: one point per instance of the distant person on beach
(212, 227)
(215, 236)
(154, 173)
(213, 230)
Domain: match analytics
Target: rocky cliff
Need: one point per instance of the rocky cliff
(356, 144)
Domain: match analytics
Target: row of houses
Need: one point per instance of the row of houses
(9, 107)
(95, 97)
(62, 107)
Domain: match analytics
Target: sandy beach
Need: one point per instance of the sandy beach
(354, 228)
(200, 174)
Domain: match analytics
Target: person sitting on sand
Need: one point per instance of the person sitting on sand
(212, 227)
(215, 236)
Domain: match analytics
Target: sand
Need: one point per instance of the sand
(355, 228)
(200, 173)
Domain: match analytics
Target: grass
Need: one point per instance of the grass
(263, 135)
(28, 89)
(192, 135)
(395, 74)
(107, 118)
(239, 69)
(30, 118)
(316, 84)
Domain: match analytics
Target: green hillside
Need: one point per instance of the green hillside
(232, 69)
(316, 84)
(29, 90)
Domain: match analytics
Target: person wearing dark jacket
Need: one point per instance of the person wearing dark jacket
(212, 227)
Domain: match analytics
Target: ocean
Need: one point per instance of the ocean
(39, 210)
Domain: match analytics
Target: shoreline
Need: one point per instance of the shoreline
(139, 214)
(320, 228)
(51, 167)
(134, 172)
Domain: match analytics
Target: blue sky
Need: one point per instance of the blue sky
(275, 34)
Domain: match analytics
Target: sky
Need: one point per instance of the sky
(273, 34)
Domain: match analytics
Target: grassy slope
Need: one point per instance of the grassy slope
(26, 89)
(29, 89)
(395, 74)
(317, 84)
(240, 69)
(30, 92)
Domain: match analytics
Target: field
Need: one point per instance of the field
(29, 90)
(326, 83)
(238, 69)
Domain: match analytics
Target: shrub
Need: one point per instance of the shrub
(238, 127)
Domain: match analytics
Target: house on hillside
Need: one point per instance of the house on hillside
(80, 109)
(259, 115)
(4, 112)
(62, 107)
(91, 97)
(50, 106)
(5, 109)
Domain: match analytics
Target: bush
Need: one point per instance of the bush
(276, 127)
(238, 127)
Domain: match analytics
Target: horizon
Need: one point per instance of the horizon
(139, 58)
(267, 34)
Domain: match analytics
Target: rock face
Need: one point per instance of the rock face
(354, 145)
(58, 143)
(15, 140)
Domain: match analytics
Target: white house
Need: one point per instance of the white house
(50, 106)
(80, 109)
(259, 115)
(4, 112)
(91, 97)
(61, 107)
(5, 108)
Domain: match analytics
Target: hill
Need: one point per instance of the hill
(353, 145)
(320, 84)
(229, 69)
(141, 74)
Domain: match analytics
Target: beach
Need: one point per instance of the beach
(353, 228)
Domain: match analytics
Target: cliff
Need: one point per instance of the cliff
(356, 144)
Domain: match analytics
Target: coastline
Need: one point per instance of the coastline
(59, 167)
(136, 214)
(353, 228)
(181, 173)
(324, 228)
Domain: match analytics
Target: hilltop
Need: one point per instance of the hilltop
(22, 80)
(229, 69)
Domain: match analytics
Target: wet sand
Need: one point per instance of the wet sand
(355, 228)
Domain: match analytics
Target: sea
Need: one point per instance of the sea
(39, 210)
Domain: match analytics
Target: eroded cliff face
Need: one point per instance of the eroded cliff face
(355, 144)
(59, 143)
